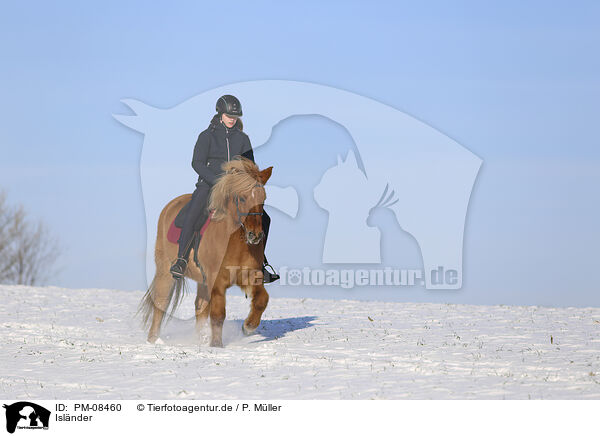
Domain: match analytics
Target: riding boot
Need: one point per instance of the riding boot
(269, 277)
(178, 268)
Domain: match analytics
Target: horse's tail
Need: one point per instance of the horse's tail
(147, 305)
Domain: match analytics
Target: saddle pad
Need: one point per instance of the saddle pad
(175, 231)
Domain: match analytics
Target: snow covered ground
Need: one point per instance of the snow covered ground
(86, 344)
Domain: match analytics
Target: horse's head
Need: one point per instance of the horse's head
(240, 194)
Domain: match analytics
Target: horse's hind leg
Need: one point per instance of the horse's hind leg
(260, 299)
(161, 296)
(202, 306)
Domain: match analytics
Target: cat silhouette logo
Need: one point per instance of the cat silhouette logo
(398, 163)
(26, 415)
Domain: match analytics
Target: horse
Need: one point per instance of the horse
(231, 252)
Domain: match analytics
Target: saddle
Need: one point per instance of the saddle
(174, 233)
(177, 224)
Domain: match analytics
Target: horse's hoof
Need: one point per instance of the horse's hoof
(154, 341)
(248, 331)
(216, 344)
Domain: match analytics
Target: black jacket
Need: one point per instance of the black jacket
(217, 145)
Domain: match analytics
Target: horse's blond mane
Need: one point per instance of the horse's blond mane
(240, 176)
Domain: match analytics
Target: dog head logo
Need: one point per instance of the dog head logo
(26, 415)
(399, 163)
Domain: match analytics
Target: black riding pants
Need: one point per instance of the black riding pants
(197, 215)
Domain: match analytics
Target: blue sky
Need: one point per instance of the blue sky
(517, 84)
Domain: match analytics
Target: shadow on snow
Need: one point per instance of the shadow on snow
(272, 329)
(181, 332)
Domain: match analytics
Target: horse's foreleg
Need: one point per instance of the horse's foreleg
(217, 316)
(260, 299)
(161, 297)
(202, 306)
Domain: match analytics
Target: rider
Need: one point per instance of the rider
(220, 142)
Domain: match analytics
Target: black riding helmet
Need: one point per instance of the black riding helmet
(229, 105)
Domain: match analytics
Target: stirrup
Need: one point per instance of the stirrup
(268, 276)
(178, 268)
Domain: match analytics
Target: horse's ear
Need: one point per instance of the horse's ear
(265, 174)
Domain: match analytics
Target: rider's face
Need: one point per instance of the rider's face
(228, 121)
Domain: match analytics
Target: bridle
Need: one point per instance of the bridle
(245, 214)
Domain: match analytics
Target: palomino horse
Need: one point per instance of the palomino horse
(231, 252)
